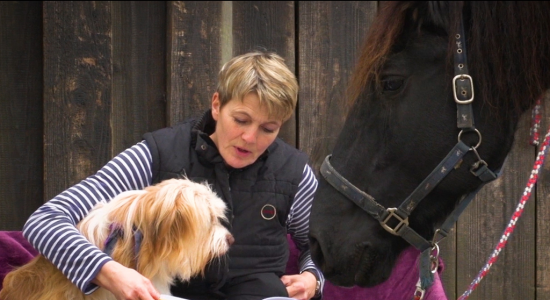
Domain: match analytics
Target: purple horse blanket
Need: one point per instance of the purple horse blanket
(15, 251)
(400, 285)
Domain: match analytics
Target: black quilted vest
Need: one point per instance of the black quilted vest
(250, 193)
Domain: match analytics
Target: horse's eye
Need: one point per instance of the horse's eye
(392, 85)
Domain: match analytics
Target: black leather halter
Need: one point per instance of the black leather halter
(396, 219)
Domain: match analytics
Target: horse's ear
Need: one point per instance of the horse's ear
(439, 12)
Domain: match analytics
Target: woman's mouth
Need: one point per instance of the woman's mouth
(242, 151)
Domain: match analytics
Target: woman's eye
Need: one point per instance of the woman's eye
(239, 121)
(392, 85)
(267, 130)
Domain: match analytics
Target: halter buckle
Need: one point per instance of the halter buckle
(403, 222)
(470, 88)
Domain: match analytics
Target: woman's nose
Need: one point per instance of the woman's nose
(249, 135)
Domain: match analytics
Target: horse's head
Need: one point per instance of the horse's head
(403, 123)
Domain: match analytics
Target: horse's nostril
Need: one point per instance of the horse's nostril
(230, 239)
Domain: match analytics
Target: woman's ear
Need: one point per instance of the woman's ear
(216, 106)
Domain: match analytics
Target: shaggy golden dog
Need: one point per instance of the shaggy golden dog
(180, 224)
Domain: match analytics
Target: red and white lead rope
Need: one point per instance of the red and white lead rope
(535, 122)
(519, 210)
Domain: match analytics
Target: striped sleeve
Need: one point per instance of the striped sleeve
(51, 229)
(298, 220)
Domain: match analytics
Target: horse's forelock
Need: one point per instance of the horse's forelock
(439, 13)
(381, 37)
(509, 51)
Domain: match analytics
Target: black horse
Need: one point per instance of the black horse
(433, 79)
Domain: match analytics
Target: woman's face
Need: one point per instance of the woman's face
(244, 129)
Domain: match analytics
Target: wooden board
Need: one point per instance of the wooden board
(77, 91)
(139, 71)
(21, 113)
(193, 57)
(330, 35)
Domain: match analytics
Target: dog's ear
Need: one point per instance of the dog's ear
(125, 209)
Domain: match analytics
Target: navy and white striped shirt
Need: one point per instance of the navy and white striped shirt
(51, 229)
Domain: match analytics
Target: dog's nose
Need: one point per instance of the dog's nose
(230, 239)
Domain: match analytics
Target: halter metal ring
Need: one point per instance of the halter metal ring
(463, 77)
(478, 134)
(434, 258)
(438, 233)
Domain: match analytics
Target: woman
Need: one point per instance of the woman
(266, 184)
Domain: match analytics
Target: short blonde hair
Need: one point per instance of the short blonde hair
(263, 73)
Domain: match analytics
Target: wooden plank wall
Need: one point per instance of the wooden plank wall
(21, 114)
(80, 81)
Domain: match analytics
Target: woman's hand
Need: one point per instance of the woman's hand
(125, 283)
(300, 286)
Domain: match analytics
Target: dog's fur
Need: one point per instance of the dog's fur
(181, 225)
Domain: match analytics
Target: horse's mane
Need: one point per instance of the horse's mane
(508, 45)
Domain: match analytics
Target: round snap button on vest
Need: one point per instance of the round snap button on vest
(268, 212)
